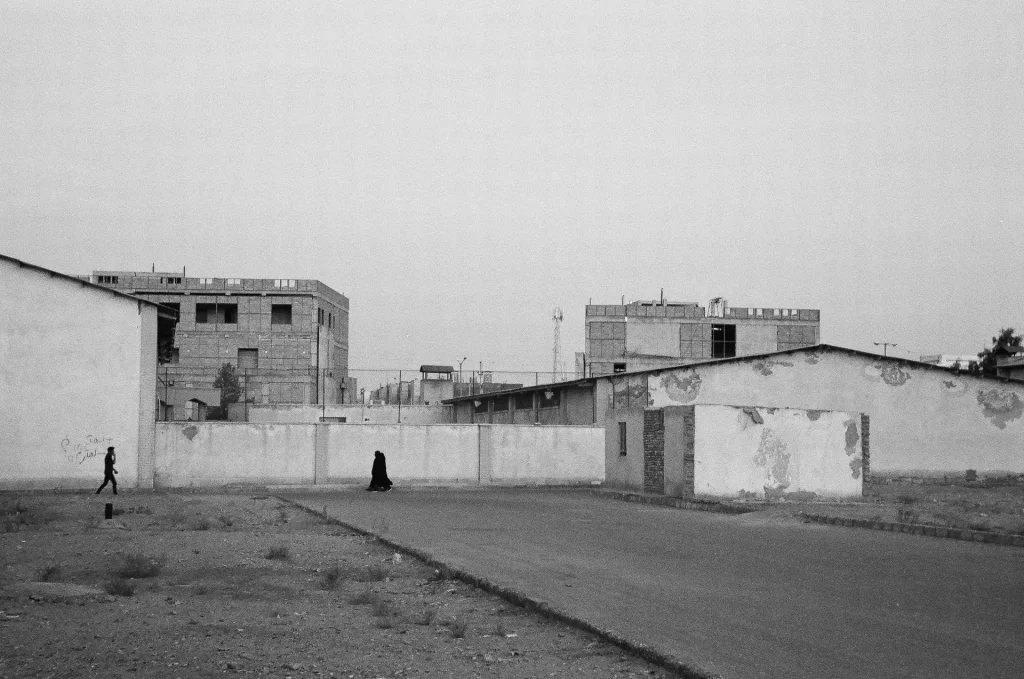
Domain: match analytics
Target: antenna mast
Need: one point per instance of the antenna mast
(557, 367)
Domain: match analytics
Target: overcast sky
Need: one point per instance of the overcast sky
(460, 169)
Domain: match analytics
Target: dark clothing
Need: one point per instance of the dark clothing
(108, 472)
(379, 473)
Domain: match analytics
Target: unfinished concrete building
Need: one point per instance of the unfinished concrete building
(651, 334)
(287, 338)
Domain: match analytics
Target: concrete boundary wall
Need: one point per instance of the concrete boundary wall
(197, 454)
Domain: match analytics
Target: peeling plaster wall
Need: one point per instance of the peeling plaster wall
(923, 420)
(769, 453)
(77, 374)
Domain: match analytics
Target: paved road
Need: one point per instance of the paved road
(741, 596)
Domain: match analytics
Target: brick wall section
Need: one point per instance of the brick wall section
(865, 450)
(654, 451)
(689, 422)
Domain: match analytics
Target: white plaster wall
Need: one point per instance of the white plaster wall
(624, 471)
(788, 451)
(923, 419)
(70, 380)
(218, 453)
(537, 455)
(415, 453)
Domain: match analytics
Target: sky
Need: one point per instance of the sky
(460, 169)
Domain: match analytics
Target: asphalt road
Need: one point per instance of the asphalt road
(740, 596)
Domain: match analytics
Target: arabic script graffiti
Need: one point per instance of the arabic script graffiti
(78, 451)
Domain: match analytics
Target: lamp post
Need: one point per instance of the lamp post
(885, 347)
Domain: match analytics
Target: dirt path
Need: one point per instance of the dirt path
(329, 603)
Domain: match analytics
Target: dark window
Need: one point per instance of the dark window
(230, 313)
(480, 406)
(723, 341)
(206, 313)
(320, 316)
(550, 398)
(622, 438)
(501, 403)
(619, 367)
(174, 356)
(281, 314)
(524, 401)
(330, 320)
(111, 280)
(249, 359)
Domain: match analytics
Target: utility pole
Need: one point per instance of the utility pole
(885, 347)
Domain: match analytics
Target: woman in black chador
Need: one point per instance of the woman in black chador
(379, 474)
(108, 470)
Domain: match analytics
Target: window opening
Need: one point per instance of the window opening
(723, 341)
(619, 367)
(248, 359)
(281, 314)
(622, 438)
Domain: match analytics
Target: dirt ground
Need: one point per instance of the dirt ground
(991, 504)
(202, 585)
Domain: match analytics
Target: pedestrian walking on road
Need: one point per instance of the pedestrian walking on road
(379, 473)
(109, 471)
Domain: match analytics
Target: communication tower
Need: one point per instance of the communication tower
(557, 366)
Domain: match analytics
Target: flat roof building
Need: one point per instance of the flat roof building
(287, 338)
(652, 334)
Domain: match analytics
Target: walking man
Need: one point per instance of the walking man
(109, 471)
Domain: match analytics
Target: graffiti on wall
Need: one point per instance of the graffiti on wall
(78, 450)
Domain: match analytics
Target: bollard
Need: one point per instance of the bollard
(109, 511)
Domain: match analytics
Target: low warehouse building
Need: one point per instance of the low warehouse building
(922, 419)
(77, 374)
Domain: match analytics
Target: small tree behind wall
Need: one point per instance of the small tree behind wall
(230, 389)
(986, 365)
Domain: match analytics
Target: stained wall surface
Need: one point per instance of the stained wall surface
(197, 454)
(537, 455)
(219, 453)
(771, 452)
(415, 453)
(923, 419)
(77, 374)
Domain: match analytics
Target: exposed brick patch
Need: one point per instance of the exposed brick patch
(654, 450)
(689, 426)
(865, 451)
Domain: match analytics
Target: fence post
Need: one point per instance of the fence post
(399, 397)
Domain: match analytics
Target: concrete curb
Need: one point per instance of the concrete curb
(519, 599)
(1004, 539)
(677, 502)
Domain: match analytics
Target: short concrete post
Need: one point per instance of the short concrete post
(108, 512)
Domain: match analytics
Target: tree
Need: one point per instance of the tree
(987, 358)
(227, 382)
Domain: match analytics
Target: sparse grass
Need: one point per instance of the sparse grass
(979, 525)
(279, 553)
(202, 524)
(499, 630)
(906, 499)
(441, 574)
(50, 573)
(425, 617)
(366, 597)
(120, 587)
(140, 566)
(333, 577)
(372, 573)
(202, 590)
(457, 627)
(226, 521)
(907, 515)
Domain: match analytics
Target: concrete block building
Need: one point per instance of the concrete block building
(654, 334)
(287, 338)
